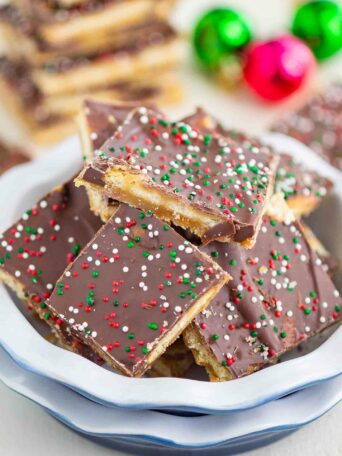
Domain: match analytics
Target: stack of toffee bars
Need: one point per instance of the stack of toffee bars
(54, 52)
(170, 229)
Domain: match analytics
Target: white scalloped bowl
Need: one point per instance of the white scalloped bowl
(22, 187)
(154, 433)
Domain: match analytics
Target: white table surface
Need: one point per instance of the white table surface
(24, 427)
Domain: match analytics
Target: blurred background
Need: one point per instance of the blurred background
(50, 62)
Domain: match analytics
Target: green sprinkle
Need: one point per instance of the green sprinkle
(207, 139)
(153, 326)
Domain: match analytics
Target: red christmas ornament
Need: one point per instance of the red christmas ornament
(277, 68)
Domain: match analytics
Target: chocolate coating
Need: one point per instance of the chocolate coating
(278, 297)
(130, 286)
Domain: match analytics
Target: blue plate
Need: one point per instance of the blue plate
(147, 432)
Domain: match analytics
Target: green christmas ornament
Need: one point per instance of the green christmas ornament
(219, 32)
(319, 24)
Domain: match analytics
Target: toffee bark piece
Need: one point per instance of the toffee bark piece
(302, 188)
(11, 156)
(35, 251)
(198, 182)
(133, 290)
(279, 296)
(318, 124)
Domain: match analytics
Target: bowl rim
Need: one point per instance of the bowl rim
(172, 431)
(84, 377)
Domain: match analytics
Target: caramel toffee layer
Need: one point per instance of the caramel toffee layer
(292, 178)
(318, 124)
(231, 183)
(37, 249)
(131, 287)
(10, 156)
(278, 297)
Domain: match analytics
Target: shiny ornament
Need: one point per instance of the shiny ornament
(277, 68)
(218, 33)
(319, 24)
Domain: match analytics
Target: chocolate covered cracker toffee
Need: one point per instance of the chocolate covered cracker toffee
(198, 181)
(133, 290)
(279, 296)
(37, 248)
